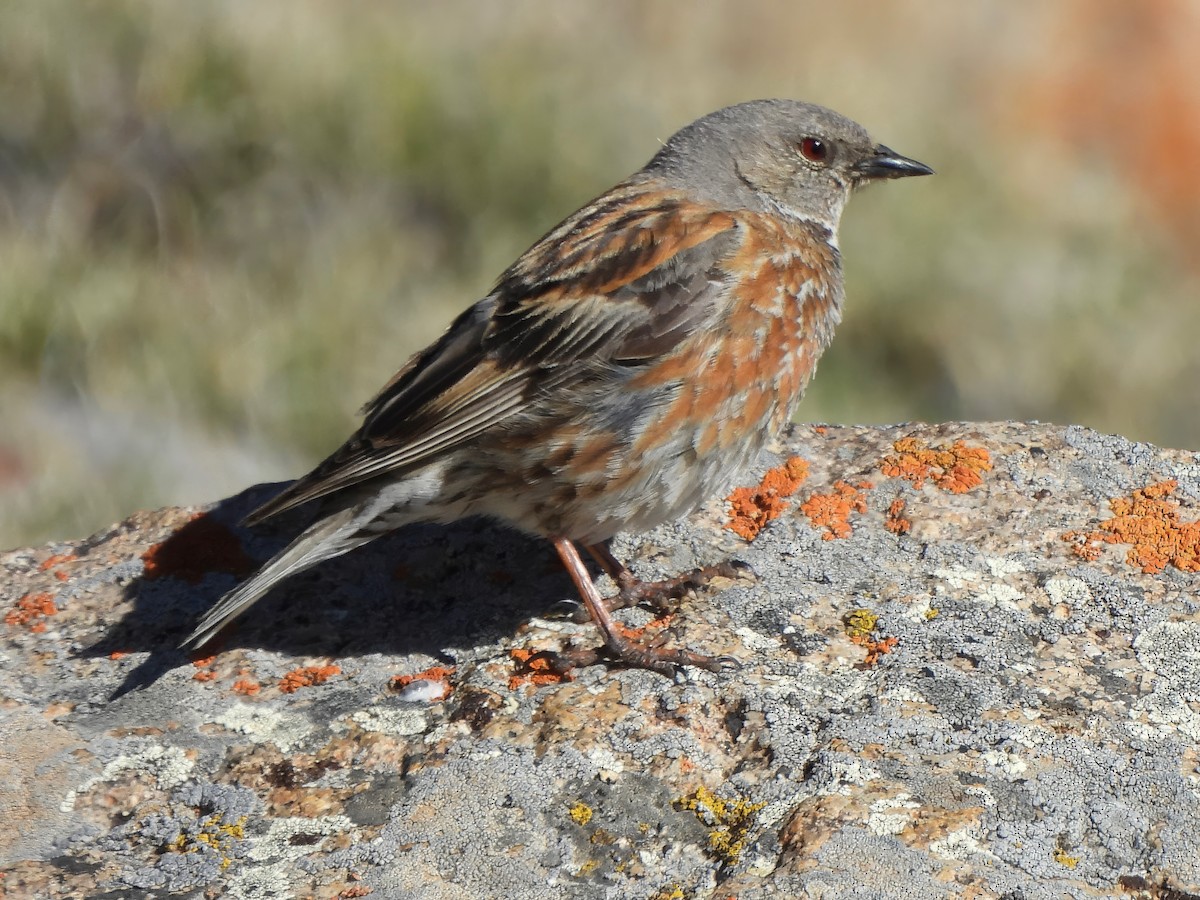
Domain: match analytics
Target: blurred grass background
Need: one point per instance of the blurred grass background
(223, 225)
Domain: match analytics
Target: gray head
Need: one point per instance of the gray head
(795, 158)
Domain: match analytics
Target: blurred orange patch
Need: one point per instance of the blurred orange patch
(1123, 85)
(54, 560)
(31, 610)
(199, 547)
(204, 666)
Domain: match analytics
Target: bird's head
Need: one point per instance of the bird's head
(784, 156)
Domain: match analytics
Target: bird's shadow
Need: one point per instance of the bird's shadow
(425, 589)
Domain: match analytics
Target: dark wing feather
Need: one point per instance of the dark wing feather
(622, 281)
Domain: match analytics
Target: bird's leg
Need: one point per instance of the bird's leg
(642, 655)
(633, 591)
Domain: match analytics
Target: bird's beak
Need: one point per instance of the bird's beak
(885, 162)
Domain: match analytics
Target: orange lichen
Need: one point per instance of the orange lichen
(832, 510)
(434, 674)
(54, 560)
(751, 508)
(31, 610)
(653, 625)
(246, 686)
(118, 654)
(307, 676)
(358, 890)
(956, 468)
(534, 667)
(895, 521)
(204, 665)
(199, 547)
(1148, 521)
(875, 647)
(860, 626)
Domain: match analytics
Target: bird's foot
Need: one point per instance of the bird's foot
(639, 655)
(632, 591)
(622, 646)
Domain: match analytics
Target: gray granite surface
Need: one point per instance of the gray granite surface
(948, 700)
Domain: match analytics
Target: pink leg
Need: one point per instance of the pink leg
(634, 591)
(633, 653)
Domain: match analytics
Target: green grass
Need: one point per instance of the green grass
(223, 226)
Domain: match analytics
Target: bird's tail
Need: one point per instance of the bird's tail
(331, 536)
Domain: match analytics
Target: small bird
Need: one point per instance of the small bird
(626, 368)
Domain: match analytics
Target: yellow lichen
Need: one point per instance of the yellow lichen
(588, 868)
(729, 822)
(859, 626)
(861, 622)
(179, 844)
(213, 833)
(580, 813)
(1061, 856)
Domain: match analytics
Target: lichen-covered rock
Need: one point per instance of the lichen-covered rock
(970, 667)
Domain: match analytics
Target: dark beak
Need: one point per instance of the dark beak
(885, 162)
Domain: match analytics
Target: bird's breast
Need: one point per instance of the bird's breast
(736, 384)
(650, 443)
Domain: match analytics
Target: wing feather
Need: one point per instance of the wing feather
(622, 281)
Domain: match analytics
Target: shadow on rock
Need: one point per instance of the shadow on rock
(423, 589)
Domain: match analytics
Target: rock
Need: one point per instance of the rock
(970, 667)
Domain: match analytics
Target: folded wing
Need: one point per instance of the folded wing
(623, 281)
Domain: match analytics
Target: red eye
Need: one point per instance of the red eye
(814, 149)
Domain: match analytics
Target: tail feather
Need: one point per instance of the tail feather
(332, 536)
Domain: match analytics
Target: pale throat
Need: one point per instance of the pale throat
(827, 221)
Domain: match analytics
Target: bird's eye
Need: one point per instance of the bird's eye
(813, 149)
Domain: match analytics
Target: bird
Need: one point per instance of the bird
(625, 369)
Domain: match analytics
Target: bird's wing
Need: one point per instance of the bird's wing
(622, 281)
